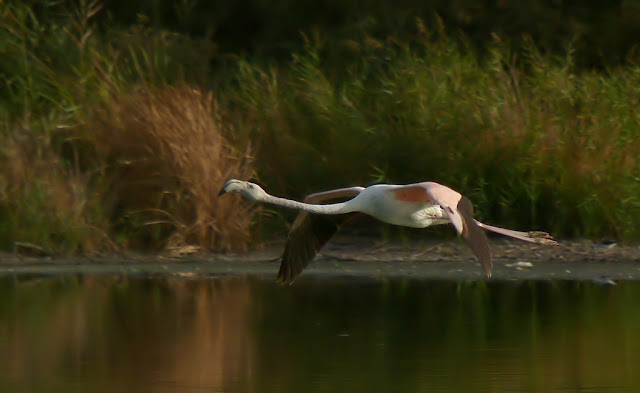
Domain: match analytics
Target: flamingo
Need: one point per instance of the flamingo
(416, 205)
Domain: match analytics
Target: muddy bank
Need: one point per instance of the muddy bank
(364, 258)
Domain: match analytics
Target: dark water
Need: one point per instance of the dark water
(98, 334)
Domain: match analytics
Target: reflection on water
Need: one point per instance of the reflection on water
(97, 334)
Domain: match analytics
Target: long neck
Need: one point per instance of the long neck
(334, 208)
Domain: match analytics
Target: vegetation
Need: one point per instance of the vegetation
(533, 144)
(118, 136)
(103, 149)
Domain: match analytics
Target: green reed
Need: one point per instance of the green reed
(533, 140)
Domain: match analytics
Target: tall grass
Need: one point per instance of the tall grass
(166, 160)
(98, 151)
(112, 138)
(533, 142)
(42, 203)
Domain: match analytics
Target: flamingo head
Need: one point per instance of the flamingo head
(247, 190)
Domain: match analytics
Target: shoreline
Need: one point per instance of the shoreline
(362, 258)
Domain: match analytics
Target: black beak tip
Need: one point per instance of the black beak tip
(222, 191)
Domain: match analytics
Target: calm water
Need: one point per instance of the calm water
(101, 334)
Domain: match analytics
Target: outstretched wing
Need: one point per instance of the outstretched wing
(459, 210)
(310, 232)
(475, 237)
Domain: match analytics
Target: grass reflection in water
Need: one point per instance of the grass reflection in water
(160, 335)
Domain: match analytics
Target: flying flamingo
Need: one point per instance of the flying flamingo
(416, 205)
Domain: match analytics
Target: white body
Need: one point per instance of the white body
(377, 202)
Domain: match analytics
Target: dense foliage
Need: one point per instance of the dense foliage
(119, 122)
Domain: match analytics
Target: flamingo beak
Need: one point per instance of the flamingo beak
(227, 187)
(224, 189)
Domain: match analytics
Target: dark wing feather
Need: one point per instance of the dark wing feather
(474, 236)
(310, 232)
(306, 238)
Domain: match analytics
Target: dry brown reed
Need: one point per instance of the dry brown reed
(41, 202)
(167, 158)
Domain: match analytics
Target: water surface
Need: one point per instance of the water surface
(117, 334)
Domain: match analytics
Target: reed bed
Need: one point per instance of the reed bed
(106, 147)
(119, 139)
(168, 158)
(532, 141)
